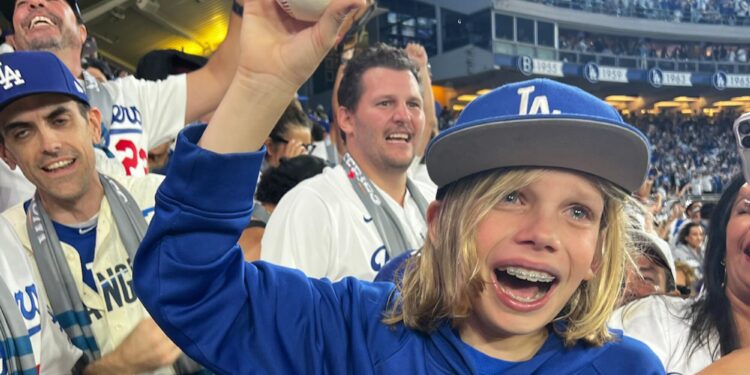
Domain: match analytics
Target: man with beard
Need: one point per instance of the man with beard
(349, 220)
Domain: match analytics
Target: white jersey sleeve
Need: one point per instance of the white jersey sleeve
(53, 352)
(14, 187)
(299, 233)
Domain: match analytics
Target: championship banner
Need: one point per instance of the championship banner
(595, 73)
(529, 66)
(721, 81)
(658, 78)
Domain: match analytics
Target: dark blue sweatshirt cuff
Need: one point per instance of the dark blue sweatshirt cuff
(208, 181)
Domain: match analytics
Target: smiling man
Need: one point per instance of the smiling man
(81, 228)
(137, 115)
(351, 219)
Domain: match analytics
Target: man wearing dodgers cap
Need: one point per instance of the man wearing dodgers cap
(81, 228)
(521, 268)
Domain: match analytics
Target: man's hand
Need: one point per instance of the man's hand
(417, 54)
(294, 148)
(145, 349)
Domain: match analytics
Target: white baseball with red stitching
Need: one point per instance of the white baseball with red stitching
(305, 10)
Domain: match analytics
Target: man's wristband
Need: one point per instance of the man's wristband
(237, 8)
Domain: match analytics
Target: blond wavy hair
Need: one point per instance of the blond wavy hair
(439, 284)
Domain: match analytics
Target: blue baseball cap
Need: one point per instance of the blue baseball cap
(540, 123)
(8, 7)
(36, 72)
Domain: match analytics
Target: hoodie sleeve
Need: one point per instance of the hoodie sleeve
(236, 317)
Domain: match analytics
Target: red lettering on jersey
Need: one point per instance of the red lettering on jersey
(131, 161)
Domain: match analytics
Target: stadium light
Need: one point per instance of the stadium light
(458, 107)
(711, 111)
(668, 104)
(741, 99)
(483, 91)
(466, 98)
(728, 103)
(685, 99)
(621, 98)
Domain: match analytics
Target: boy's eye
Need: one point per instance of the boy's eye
(580, 213)
(511, 198)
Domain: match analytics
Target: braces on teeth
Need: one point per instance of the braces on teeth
(529, 275)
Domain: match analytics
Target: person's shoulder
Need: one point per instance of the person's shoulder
(128, 83)
(16, 217)
(149, 182)
(328, 185)
(654, 306)
(142, 188)
(7, 232)
(428, 190)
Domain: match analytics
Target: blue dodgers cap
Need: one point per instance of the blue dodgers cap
(540, 123)
(8, 7)
(36, 72)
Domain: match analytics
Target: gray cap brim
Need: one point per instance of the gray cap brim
(606, 150)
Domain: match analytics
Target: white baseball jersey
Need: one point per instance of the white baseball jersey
(418, 172)
(658, 322)
(113, 307)
(53, 352)
(322, 228)
(144, 115)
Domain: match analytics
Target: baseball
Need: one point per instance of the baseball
(305, 10)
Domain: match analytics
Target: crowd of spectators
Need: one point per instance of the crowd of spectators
(730, 12)
(648, 48)
(698, 151)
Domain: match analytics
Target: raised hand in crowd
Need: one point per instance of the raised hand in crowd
(294, 148)
(277, 55)
(418, 55)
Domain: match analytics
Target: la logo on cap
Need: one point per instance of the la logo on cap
(10, 77)
(540, 105)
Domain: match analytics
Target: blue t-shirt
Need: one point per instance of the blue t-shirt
(84, 241)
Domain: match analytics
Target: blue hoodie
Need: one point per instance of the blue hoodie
(257, 318)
